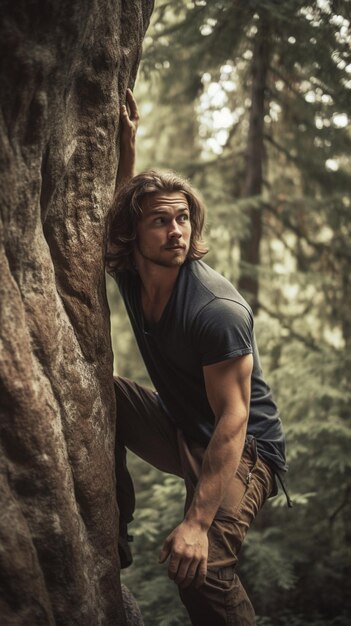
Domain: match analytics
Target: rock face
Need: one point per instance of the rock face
(132, 611)
(65, 66)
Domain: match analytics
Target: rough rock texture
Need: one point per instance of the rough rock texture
(133, 614)
(65, 65)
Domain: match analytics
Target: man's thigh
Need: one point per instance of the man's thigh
(245, 495)
(222, 600)
(144, 427)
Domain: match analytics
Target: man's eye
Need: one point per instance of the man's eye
(184, 217)
(159, 220)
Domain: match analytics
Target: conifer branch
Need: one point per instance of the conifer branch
(319, 246)
(280, 148)
(341, 506)
(296, 93)
(307, 341)
(194, 166)
(281, 237)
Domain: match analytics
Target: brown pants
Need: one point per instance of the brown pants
(145, 428)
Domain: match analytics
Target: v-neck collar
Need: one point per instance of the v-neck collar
(150, 327)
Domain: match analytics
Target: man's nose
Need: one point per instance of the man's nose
(174, 230)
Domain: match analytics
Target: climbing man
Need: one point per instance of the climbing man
(212, 419)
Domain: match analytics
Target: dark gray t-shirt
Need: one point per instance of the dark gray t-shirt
(205, 321)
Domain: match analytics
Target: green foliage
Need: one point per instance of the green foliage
(292, 619)
(160, 499)
(274, 569)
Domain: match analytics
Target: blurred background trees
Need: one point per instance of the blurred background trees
(251, 102)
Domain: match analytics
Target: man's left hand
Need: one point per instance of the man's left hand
(187, 549)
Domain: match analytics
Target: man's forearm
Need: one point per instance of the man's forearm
(127, 156)
(228, 391)
(220, 464)
(126, 167)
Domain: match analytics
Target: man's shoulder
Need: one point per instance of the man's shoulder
(218, 320)
(217, 289)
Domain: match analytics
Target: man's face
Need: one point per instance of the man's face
(164, 229)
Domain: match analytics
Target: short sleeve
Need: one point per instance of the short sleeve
(223, 329)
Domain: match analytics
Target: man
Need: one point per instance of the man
(212, 421)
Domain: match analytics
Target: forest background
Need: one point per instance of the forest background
(250, 101)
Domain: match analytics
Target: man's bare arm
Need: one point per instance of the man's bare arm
(228, 391)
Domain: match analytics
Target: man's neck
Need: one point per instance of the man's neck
(157, 284)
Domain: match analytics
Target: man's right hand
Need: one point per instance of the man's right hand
(129, 127)
(130, 122)
(187, 549)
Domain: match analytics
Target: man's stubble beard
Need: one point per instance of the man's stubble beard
(176, 261)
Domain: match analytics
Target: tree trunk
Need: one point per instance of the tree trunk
(65, 67)
(250, 244)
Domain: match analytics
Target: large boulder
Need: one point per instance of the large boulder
(65, 67)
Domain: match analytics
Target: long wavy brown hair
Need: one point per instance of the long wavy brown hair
(127, 209)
